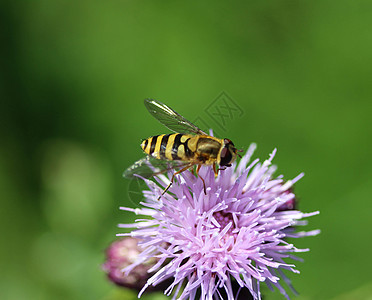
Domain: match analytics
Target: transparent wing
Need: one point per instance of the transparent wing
(150, 166)
(171, 119)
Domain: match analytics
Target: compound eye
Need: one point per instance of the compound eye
(227, 141)
(226, 157)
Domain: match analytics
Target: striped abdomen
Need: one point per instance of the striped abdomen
(174, 146)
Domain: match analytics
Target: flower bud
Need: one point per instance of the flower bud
(121, 254)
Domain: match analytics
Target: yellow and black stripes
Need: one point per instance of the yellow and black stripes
(168, 146)
(181, 149)
(149, 145)
(175, 146)
(163, 146)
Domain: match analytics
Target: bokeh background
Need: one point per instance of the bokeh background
(73, 78)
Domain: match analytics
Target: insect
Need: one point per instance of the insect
(188, 147)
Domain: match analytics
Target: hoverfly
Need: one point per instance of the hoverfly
(188, 147)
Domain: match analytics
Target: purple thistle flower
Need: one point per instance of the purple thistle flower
(237, 232)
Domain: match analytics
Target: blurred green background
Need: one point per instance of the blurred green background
(73, 78)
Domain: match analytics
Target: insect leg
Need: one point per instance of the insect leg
(197, 172)
(193, 172)
(172, 179)
(221, 169)
(215, 170)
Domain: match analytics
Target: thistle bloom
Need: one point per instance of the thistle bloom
(236, 232)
